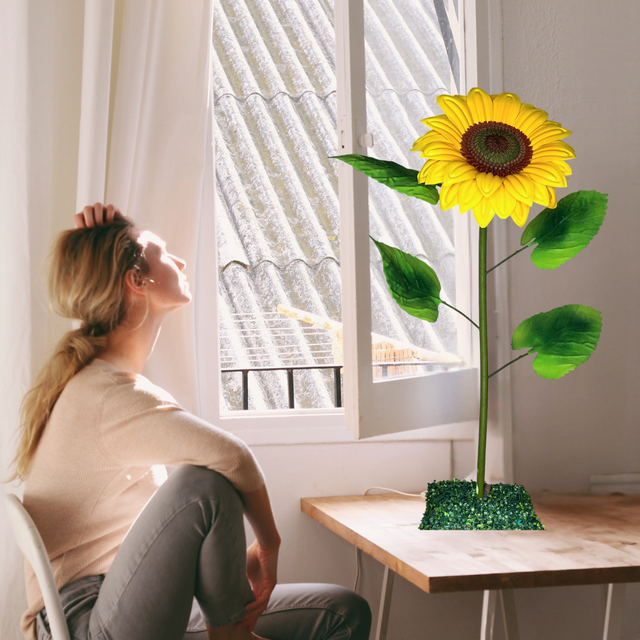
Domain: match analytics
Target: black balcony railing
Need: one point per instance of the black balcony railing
(289, 369)
(336, 377)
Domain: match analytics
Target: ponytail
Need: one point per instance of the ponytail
(73, 352)
(87, 282)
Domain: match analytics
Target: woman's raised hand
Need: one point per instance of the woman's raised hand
(96, 215)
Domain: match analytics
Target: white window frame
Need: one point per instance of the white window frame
(370, 408)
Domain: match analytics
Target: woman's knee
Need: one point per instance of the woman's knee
(316, 609)
(357, 613)
(192, 483)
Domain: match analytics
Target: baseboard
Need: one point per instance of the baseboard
(625, 483)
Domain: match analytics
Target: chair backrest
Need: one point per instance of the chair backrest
(30, 542)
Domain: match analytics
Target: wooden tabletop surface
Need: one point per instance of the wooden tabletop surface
(587, 540)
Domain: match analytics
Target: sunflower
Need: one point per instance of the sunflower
(494, 155)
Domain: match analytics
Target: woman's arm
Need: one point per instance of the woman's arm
(262, 555)
(258, 511)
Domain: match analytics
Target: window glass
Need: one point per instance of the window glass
(411, 58)
(276, 207)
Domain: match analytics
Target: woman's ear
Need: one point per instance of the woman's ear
(135, 284)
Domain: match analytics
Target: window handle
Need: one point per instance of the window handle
(366, 140)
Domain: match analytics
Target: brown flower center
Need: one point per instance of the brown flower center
(497, 148)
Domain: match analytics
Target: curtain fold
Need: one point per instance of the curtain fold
(157, 153)
(94, 110)
(126, 125)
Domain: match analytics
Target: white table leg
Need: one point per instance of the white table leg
(489, 600)
(511, 631)
(614, 603)
(385, 604)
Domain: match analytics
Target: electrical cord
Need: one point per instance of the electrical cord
(423, 494)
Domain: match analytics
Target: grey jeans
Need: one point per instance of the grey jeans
(183, 565)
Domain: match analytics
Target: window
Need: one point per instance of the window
(286, 240)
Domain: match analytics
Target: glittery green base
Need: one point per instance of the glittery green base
(453, 504)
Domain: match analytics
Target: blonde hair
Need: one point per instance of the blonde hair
(86, 282)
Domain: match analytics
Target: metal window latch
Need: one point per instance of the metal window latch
(366, 140)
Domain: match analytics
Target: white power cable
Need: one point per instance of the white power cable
(423, 494)
(402, 493)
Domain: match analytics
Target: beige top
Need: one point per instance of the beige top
(95, 468)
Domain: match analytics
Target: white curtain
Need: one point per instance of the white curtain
(105, 100)
(14, 283)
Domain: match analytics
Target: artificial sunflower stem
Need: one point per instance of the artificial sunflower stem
(484, 361)
(515, 253)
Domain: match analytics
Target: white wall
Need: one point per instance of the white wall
(579, 60)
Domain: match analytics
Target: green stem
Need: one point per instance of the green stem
(460, 312)
(504, 366)
(484, 361)
(515, 253)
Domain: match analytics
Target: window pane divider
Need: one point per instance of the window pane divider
(376, 408)
(354, 208)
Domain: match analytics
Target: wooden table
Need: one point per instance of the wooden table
(587, 540)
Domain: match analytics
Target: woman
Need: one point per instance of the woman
(134, 561)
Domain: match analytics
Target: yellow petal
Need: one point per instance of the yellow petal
(560, 147)
(443, 125)
(520, 213)
(427, 138)
(455, 108)
(546, 173)
(468, 195)
(459, 172)
(503, 202)
(506, 107)
(449, 195)
(529, 119)
(546, 196)
(483, 212)
(553, 151)
(488, 183)
(442, 151)
(547, 133)
(480, 106)
(520, 186)
(563, 166)
(541, 194)
(432, 172)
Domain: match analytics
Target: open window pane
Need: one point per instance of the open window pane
(277, 210)
(411, 58)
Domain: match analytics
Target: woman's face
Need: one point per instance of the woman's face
(166, 283)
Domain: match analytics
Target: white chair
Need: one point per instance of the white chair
(30, 543)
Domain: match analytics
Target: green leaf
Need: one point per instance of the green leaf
(563, 232)
(564, 338)
(393, 175)
(413, 284)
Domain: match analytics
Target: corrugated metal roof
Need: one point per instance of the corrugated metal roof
(277, 203)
